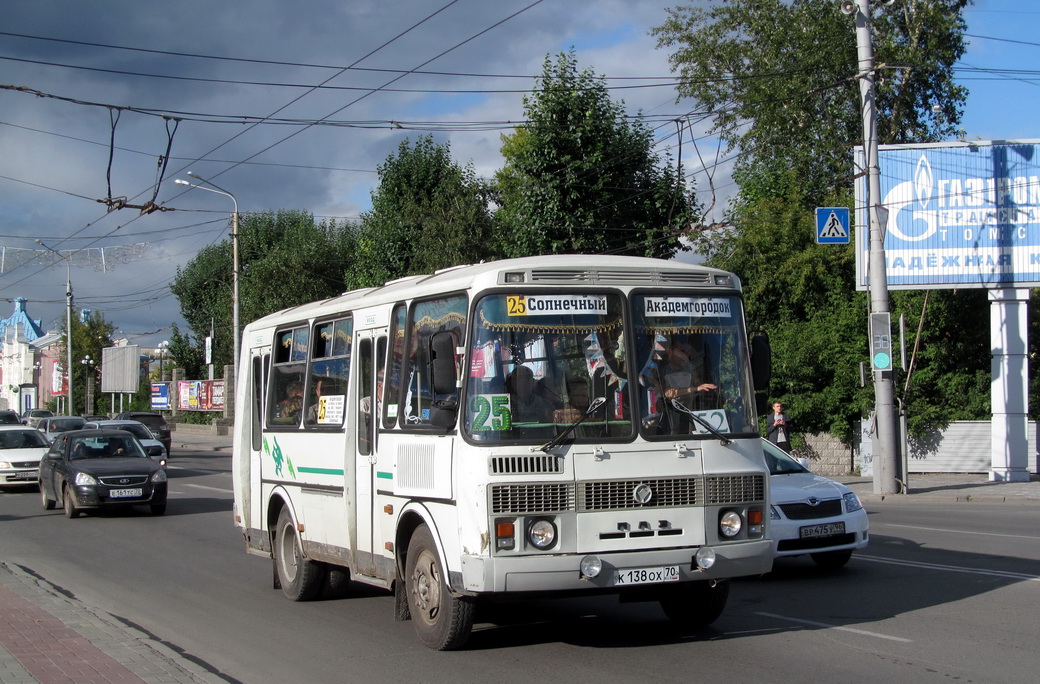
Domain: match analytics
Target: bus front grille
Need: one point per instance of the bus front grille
(724, 489)
(532, 498)
(620, 494)
(524, 465)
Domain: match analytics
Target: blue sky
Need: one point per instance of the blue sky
(55, 162)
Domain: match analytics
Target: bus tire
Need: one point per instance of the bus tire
(301, 579)
(442, 622)
(695, 605)
(831, 560)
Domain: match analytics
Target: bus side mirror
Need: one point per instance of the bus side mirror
(443, 378)
(442, 362)
(761, 369)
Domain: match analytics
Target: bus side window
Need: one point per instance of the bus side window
(287, 374)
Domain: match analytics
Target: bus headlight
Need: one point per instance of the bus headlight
(541, 534)
(730, 524)
(705, 557)
(590, 567)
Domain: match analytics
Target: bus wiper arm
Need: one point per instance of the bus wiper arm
(682, 408)
(555, 441)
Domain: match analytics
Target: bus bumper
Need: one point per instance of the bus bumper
(620, 570)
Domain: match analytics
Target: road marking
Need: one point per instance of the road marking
(813, 623)
(952, 568)
(982, 534)
(212, 489)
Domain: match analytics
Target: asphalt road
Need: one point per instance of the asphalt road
(945, 592)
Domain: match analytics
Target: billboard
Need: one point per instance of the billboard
(958, 215)
(200, 395)
(121, 369)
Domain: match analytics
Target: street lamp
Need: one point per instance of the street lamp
(234, 256)
(88, 398)
(160, 351)
(68, 322)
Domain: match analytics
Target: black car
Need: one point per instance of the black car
(10, 418)
(155, 422)
(94, 469)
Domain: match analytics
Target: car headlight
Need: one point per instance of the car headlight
(773, 513)
(159, 476)
(541, 533)
(730, 524)
(84, 480)
(5, 464)
(852, 502)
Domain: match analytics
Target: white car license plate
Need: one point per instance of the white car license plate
(822, 530)
(125, 493)
(666, 573)
(25, 475)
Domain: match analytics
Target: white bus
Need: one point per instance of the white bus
(527, 427)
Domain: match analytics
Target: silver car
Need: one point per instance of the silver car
(21, 449)
(55, 424)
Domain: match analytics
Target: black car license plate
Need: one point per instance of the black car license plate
(822, 530)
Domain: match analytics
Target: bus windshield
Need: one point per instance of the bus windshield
(539, 360)
(691, 351)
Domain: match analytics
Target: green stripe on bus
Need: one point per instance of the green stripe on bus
(321, 471)
(384, 476)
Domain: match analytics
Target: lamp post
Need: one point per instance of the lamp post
(234, 256)
(88, 405)
(160, 351)
(68, 323)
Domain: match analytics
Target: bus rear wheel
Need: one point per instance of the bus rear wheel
(694, 605)
(301, 579)
(442, 621)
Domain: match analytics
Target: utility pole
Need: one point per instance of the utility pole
(886, 463)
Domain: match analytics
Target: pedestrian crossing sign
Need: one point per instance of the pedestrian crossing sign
(832, 226)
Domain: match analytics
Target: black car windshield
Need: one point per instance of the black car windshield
(22, 439)
(105, 446)
(65, 424)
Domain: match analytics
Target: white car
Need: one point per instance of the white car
(152, 446)
(811, 514)
(21, 449)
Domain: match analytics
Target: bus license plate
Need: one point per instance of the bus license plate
(667, 573)
(125, 493)
(822, 530)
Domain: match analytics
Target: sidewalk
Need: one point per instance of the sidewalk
(48, 637)
(950, 487)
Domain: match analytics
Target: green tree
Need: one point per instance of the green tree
(90, 334)
(428, 212)
(779, 80)
(582, 177)
(286, 259)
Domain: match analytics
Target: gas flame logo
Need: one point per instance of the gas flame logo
(924, 182)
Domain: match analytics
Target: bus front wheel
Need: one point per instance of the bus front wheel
(442, 621)
(301, 579)
(693, 605)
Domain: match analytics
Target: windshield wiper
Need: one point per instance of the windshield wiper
(555, 441)
(682, 408)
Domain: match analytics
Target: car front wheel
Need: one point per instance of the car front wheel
(69, 502)
(48, 503)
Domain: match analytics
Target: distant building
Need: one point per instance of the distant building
(29, 362)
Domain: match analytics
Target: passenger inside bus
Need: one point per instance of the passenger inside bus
(290, 407)
(525, 404)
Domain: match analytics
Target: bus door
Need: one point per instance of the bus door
(371, 346)
(260, 364)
